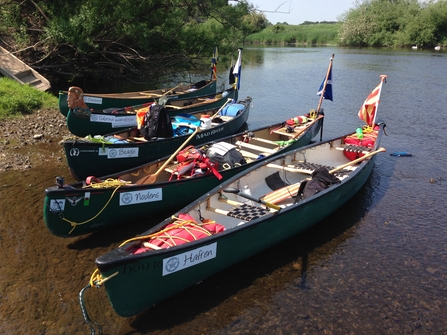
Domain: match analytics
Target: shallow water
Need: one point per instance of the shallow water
(377, 266)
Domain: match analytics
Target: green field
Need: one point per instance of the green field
(309, 34)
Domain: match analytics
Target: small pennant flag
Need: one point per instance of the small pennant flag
(369, 107)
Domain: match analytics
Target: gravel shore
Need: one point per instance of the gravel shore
(32, 140)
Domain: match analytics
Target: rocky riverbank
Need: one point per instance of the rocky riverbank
(32, 140)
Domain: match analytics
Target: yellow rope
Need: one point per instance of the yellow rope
(367, 129)
(171, 241)
(180, 223)
(312, 114)
(95, 275)
(110, 182)
(74, 224)
(97, 280)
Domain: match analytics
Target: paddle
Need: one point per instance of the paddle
(287, 191)
(299, 133)
(229, 99)
(153, 177)
(341, 167)
(167, 92)
(249, 197)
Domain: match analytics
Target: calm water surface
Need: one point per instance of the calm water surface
(377, 266)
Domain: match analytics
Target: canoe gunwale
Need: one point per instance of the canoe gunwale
(123, 257)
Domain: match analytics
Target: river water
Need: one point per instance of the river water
(376, 266)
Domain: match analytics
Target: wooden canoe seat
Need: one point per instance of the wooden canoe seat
(242, 211)
(247, 154)
(255, 147)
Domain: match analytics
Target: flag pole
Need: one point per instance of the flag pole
(382, 80)
(325, 83)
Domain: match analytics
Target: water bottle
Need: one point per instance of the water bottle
(359, 133)
(247, 191)
(205, 122)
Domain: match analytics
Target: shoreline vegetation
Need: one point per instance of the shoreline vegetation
(305, 34)
(69, 43)
(65, 51)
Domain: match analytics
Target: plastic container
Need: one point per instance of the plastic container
(247, 191)
(205, 122)
(359, 132)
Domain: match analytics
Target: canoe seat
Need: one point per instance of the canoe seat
(242, 211)
(354, 148)
(223, 119)
(247, 213)
(297, 130)
(282, 131)
(248, 154)
(255, 147)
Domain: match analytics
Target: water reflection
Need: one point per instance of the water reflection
(377, 266)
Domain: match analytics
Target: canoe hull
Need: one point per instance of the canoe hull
(19, 71)
(96, 159)
(99, 123)
(174, 269)
(64, 208)
(120, 100)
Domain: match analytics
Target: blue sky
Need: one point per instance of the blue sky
(303, 10)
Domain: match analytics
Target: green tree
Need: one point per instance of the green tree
(122, 38)
(394, 23)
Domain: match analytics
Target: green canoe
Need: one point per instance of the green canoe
(83, 121)
(77, 209)
(241, 217)
(121, 100)
(108, 154)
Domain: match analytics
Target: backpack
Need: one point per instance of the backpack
(225, 155)
(156, 123)
(321, 180)
(193, 162)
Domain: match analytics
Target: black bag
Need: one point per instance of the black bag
(225, 155)
(156, 123)
(321, 180)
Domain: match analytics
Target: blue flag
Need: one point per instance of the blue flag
(328, 91)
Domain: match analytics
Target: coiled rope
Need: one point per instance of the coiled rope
(109, 183)
(96, 280)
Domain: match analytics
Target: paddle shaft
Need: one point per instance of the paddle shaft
(285, 192)
(150, 179)
(229, 99)
(299, 133)
(167, 92)
(250, 197)
(341, 167)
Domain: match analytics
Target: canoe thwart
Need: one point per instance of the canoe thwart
(255, 147)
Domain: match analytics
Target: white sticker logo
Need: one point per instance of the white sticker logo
(140, 197)
(92, 100)
(118, 152)
(57, 205)
(188, 259)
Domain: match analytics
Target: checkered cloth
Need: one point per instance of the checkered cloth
(247, 213)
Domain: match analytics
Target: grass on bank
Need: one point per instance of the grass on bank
(17, 99)
(309, 34)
